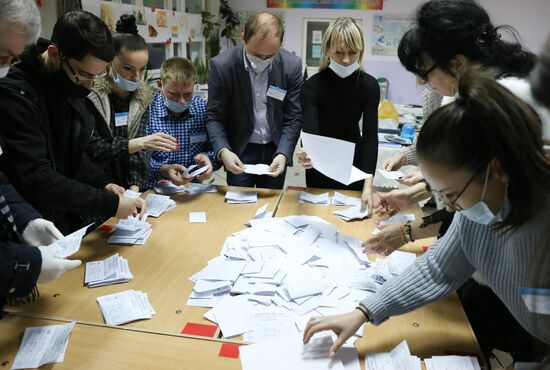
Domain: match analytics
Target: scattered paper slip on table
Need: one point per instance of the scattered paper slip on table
(97, 347)
(174, 251)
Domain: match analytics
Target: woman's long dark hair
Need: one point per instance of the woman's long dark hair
(487, 122)
(447, 28)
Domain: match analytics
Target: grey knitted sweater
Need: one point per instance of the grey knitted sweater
(505, 259)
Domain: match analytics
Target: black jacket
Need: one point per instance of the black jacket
(16, 279)
(44, 136)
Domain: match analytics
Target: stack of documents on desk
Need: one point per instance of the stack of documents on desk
(42, 345)
(352, 213)
(340, 199)
(241, 197)
(291, 354)
(269, 279)
(306, 197)
(158, 204)
(69, 244)
(124, 307)
(194, 188)
(113, 270)
(133, 230)
(399, 358)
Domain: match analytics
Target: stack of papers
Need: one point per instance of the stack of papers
(69, 244)
(340, 199)
(452, 363)
(42, 345)
(392, 175)
(291, 354)
(113, 270)
(131, 231)
(124, 307)
(269, 279)
(306, 197)
(352, 213)
(241, 197)
(158, 204)
(399, 358)
(257, 169)
(166, 187)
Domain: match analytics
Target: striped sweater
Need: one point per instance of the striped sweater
(505, 259)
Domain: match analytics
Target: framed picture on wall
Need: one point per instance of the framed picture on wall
(313, 31)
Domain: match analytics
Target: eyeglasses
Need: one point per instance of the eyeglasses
(426, 74)
(452, 205)
(13, 61)
(78, 77)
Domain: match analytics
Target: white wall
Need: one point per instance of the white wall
(529, 17)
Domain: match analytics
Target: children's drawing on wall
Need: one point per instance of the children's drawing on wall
(106, 15)
(152, 31)
(387, 32)
(162, 19)
(140, 18)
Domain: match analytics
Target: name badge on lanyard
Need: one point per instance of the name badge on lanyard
(197, 137)
(537, 300)
(276, 93)
(121, 119)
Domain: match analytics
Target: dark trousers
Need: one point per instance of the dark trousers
(257, 154)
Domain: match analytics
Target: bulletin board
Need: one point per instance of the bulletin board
(313, 32)
(387, 31)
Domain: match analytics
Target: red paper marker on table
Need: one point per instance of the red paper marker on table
(201, 330)
(229, 350)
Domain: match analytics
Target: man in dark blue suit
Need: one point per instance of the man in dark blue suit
(253, 112)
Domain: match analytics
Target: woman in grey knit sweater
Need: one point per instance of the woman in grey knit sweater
(484, 154)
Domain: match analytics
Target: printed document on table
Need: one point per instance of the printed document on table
(333, 158)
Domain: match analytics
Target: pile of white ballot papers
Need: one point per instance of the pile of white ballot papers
(400, 358)
(124, 307)
(241, 197)
(158, 204)
(69, 244)
(352, 213)
(306, 197)
(113, 270)
(42, 345)
(166, 187)
(338, 199)
(269, 279)
(133, 230)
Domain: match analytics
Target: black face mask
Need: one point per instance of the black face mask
(64, 83)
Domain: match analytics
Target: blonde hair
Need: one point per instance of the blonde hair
(344, 31)
(179, 70)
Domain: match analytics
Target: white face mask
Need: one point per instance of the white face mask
(257, 63)
(343, 71)
(4, 71)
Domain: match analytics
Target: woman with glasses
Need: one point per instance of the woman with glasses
(484, 154)
(334, 101)
(122, 97)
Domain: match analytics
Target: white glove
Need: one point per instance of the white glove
(53, 266)
(41, 232)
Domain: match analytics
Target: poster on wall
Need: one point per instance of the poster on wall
(162, 19)
(313, 31)
(387, 33)
(107, 16)
(328, 4)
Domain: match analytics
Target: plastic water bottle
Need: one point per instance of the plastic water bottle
(407, 132)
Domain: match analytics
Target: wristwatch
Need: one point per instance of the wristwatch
(406, 230)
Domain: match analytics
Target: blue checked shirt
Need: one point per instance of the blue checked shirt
(189, 130)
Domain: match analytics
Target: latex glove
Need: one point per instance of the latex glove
(232, 162)
(278, 165)
(41, 232)
(53, 266)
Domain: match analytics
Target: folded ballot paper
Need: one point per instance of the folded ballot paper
(352, 213)
(306, 197)
(132, 230)
(158, 204)
(333, 158)
(113, 270)
(124, 307)
(257, 169)
(270, 278)
(69, 244)
(340, 199)
(241, 197)
(166, 187)
(42, 345)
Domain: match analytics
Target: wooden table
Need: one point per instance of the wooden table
(96, 347)
(437, 329)
(161, 268)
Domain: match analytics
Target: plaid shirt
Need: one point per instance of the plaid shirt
(189, 130)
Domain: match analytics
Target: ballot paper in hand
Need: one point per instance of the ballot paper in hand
(124, 307)
(69, 244)
(194, 171)
(240, 197)
(166, 187)
(42, 345)
(352, 213)
(158, 204)
(392, 175)
(333, 158)
(306, 197)
(257, 169)
(113, 270)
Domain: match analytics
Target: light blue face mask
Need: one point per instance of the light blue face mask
(176, 107)
(343, 71)
(480, 212)
(127, 85)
